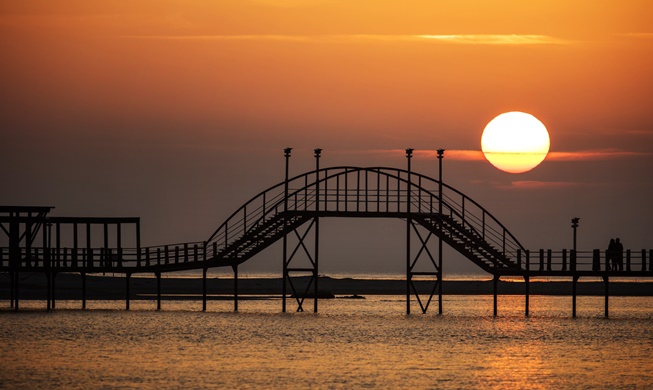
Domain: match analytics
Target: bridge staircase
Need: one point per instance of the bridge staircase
(469, 243)
(260, 236)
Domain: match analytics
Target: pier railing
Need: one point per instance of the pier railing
(542, 261)
(569, 261)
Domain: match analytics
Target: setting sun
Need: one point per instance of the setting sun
(515, 142)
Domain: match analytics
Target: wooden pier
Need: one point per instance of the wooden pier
(435, 214)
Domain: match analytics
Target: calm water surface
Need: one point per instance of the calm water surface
(350, 344)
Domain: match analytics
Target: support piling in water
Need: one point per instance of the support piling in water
(48, 278)
(16, 290)
(54, 290)
(606, 280)
(527, 288)
(235, 268)
(573, 296)
(158, 291)
(127, 277)
(204, 289)
(83, 290)
(495, 283)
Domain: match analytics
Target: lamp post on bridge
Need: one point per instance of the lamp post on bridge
(440, 157)
(574, 254)
(574, 225)
(286, 153)
(409, 155)
(317, 152)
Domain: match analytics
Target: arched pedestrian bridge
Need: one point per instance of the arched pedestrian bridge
(434, 212)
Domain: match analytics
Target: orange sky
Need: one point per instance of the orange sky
(177, 111)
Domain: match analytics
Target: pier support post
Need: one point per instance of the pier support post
(606, 280)
(127, 277)
(495, 283)
(235, 268)
(12, 286)
(54, 290)
(16, 290)
(83, 290)
(158, 291)
(48, 279)
(527, 287)
(573, 296)
(204, 289)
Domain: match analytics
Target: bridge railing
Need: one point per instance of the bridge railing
(353, 189)
(249, 216)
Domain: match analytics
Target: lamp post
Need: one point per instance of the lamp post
(316, 274)
(574, 255)
(440, 157)
(286, 153)
(409, 155)
(574, 225)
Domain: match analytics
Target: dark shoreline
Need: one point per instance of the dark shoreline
(98, 287)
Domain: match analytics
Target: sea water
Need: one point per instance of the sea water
(363, 343)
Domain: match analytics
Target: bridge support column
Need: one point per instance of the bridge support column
(309, 267)
(432, 272)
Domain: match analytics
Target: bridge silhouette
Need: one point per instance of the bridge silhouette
(434, 212)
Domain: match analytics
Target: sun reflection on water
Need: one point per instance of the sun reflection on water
(350, 343)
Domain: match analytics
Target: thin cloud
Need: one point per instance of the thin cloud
(477, 155)
(536, 185)
(453, 154)
(496, 39)
(593, 155)
(467, 39)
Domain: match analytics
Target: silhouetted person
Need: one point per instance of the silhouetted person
(610, 256)
(619, 254)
